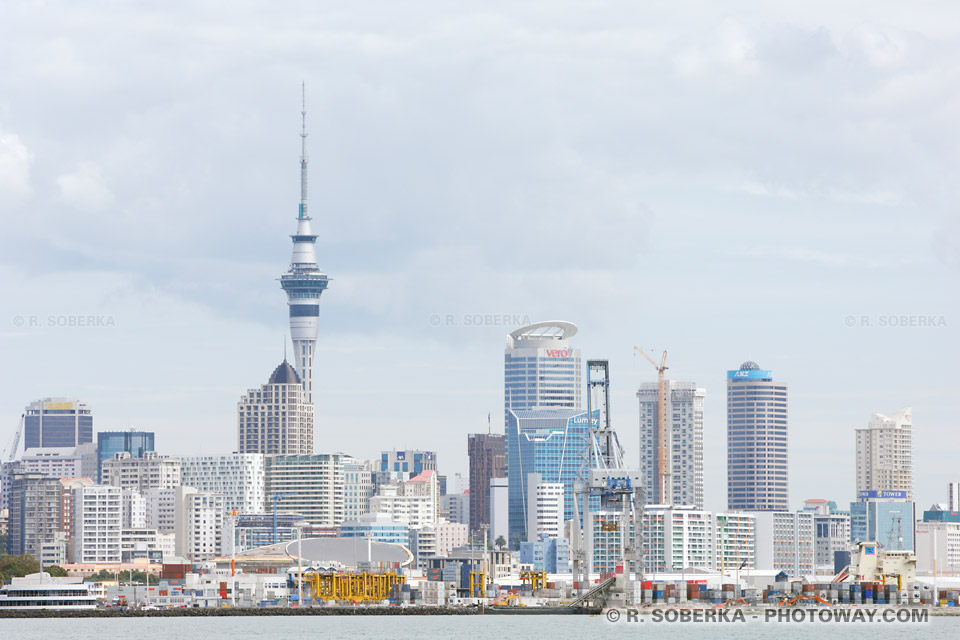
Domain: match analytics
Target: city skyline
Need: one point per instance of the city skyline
(168, 228)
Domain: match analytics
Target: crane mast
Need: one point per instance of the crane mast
(665, 491)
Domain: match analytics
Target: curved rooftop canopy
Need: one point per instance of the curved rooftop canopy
(284, 374)
(349, 551)
(749, 365)
(550, 329)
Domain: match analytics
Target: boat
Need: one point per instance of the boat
(41, 591)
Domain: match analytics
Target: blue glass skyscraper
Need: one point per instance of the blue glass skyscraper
(551, 442)
(134, 442)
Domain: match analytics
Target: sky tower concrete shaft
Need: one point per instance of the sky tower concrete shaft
(304, 281)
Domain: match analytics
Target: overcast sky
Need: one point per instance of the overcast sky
(766, 181)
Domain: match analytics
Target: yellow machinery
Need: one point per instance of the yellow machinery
(358, 587)
(478, 580)
(536, 579)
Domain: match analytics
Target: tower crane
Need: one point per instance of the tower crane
(276, 497)
(16, 439)
(663, 469)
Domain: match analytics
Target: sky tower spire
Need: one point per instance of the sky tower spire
(304, 281)
(303, 154)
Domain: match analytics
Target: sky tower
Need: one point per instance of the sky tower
(304, 281)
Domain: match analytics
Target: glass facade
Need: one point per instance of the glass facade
(136, 443)
(756, 441)
(550, 442)
(57, 422)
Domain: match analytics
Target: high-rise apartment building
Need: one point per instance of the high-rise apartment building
(541, 369)
(358, 487)
(150, 471)
(785, 542)
(54, 462)
(97, 520)
(677, 538)
(161, 507)
(110, 443)
(240, 477)
(885, 453)
(735, 539)
(198, 524)
(684, 431)
(303, 283)
(487, 456)
(314, 484)
(277, 418)
(544, 508)
(954, 497)
(57, 422)
(36, 510)
(133, 509)
(757, 474)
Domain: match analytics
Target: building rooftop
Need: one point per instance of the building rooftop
(284, 374)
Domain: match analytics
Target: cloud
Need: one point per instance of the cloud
(85, 188)
(15, 162)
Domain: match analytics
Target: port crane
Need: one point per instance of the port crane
(664, 492)
(603, 477)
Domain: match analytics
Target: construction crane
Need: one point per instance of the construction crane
(276, 498)
(16, 439)
(663, 469)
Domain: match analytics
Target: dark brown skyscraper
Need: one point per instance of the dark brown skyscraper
(488, 459)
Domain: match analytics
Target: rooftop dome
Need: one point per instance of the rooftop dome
(284, 374)
(749, 365)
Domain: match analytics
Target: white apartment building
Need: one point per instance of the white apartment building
(198, 524)
(735, 541)
(413, 502)
(544, 508)
(314, 483)
(885, 453)
(161, 509)
(678, 538)
(140, 474)
(97, 519)
(954, 498)
(684, 441)
(134, 540)
(358, 487)
(134, 509)
(785, 542)
(451, 535)
(240, 477)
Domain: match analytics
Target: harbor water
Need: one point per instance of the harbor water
(404, 627)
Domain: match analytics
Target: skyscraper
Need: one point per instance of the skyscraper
(276, 418)
(134, 442)
(541, 370)
(550, 442)
(304, 282)
(756, 440)
(684, 427)
(885, 454)
(57, 422)
(488, 459)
